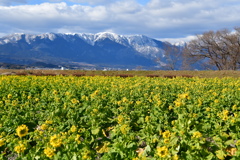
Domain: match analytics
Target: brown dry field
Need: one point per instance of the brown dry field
(158, 73)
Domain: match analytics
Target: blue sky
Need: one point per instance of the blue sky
(171, 20)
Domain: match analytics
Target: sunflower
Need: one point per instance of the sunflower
(162, 151)
(56, 141)
(44, 127)
(22, 130)
(166, 134)
(73, 129)
(49, 152)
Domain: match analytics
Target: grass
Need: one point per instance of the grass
(158, 73)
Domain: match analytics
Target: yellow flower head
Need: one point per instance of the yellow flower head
(175, 157)
(1, 142)
(86, 154)
(166, 141)
(124, 128)
(178, 103)
(233, 121)
(225, 118)
(56, 141)
(74, 101)
(235, 114)
(208, 109)
(162, 151)
(184, 96)
(49, 152)
(9, 96)
(55, 92)
(95, 110)
(78, 139)
(67, 93)
(234, 107)
(44, 127)
(73, 128)
(197, 134)
(124, 99)
(147, 118)
(120, 119)
(166, 134)
(138, 102)
(225, 112)
(20, 148)
(22, 130)
(48, 122)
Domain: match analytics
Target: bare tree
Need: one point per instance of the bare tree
(173, 56)
(220, 49)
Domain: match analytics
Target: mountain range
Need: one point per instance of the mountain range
(85, 50)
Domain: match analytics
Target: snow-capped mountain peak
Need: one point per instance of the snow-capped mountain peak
(11, 38)
(103, 47)
(131, 40)
(142, 44)
(103, 35)
(29, 38)
(93, 38)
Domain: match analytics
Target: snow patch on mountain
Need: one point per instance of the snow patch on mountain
(89, 38)
(144, 45)
(180, 43)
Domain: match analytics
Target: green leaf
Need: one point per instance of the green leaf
(74, 157)
(147, 148)
(130, 145)
(220, 154)
(95, 131)
(210, 156)
(229, 142)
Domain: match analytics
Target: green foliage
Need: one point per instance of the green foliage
(119, 118)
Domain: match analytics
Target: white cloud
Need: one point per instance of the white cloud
(177, 40)
(158, 18)
(158, 4)
(93, 2)
(125, 7)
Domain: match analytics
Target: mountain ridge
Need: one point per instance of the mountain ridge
(104, 48)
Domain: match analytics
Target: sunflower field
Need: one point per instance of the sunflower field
(133, 118)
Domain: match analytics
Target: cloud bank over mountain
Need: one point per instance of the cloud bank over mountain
(160, 19)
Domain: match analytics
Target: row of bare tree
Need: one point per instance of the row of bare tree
(212, 49)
